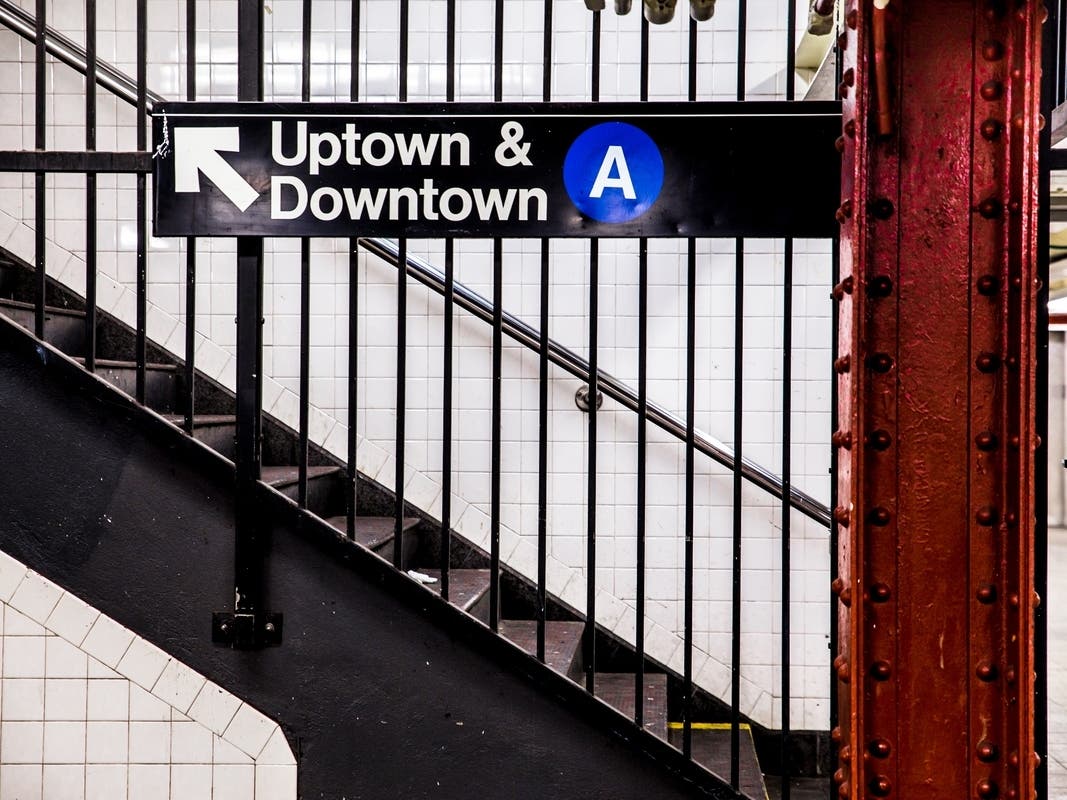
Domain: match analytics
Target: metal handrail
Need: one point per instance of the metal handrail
(71, 54)
(472, 302)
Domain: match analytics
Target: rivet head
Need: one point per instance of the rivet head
(845, 755)
(986, 440)
(991, 129)
(1013, 441)
(842, 439)
(1011, 362)
(986, 594)
(880, 440)
(1013, 758)
(986, 672)
(881, 671)
(987, 515)
(1009, 675)
(842, 90)
(843, 288)
(844, 212)
(839, 776)
(991, 208)
(992, 50)
(882, 208)
(843, 364)
(846, 597)
(842, 516)
(880, 748)
(987, 285)
(1013, 599)
(837, 585)
(986, 751)
(880, 786)
(839, 144)
(987, 362)
(850, 129)
(881, 286)
(880, 593)
(1010, 519)
(848, 77)
(835, 735)
(851, 19)
(992, 90)
(842, 673)
(880, 362)
(843, 790)
(842, 41)
(987, 789)
(1036, 759)
(879, 516)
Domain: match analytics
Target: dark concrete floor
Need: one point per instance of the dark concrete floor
(799, 788)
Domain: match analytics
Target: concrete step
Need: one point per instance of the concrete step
(563, 642)
(467, 588)
(617, 690)
(376, 533)
(161, 381)
(217, 431)
(63, 328)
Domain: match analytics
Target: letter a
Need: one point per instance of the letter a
(615, 159)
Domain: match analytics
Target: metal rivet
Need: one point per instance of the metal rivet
(843, 288)
(850, 129)
(880, 362)
(987, 789)
(1035, 600)
(881, 286)
(882, 208)
(992, 50)
(986, 672)
(843, 364)
(987, 285)
(1013, 441)
(880, 593)
(843, 790)
(840, 660)
(880, 748)
(846, 754)
(845, 211)
(992, 90)
(991, 129)
(987, 362)
(1013, 758)
(995, 10)
(879, 516)
(835, 735)
(842, 41)
(991, 208)
(842, 90)
(839, 143)
(842, 516)
(851, 19)
(842, 673)
(1018, 121)
(837, 585)
(1041, 122)
(986, 751)
(880, 440)
(986, 440)
(881, 671)
(839, 776)
(986, 515)
(842, 439)
(1010, 519)
(1009, 675)
(846, 597)
(880, 786)
(986, 593)
(1013, 599)
(848, 77)
(1011, 362)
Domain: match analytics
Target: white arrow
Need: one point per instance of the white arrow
(196, 150)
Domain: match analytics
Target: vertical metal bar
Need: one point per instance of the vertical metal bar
(735, 631)
(791, 50)
(787, 433)
(542, 379)
(498, 321)
(450, 285)
(142, 208)
(690, 416)
(39, 122)
(189, 388)
(589, 637)
(249, 545)
(690, 421)
(401, 398)
(835, 273)
(401, 324)
(353, 308)
(642, 428)
(90, 187)
(742, 46)
(305, 288)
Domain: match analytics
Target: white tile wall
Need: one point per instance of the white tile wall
(71, 728)
(617, 295)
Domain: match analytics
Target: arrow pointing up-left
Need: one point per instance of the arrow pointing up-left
(196, 150)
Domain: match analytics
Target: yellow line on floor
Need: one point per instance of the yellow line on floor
(708, 726)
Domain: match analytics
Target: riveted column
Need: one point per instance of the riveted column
(936, 376)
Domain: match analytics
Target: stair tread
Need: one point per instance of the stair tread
(465, 586)
(111, 363)
(200, 420)
(285, 475)
(372, 532)
(7, 302)
(617, 690)
(562, 640)
(711, 747)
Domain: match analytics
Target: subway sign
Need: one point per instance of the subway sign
(503, 169)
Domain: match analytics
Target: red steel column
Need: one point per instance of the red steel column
(936, 378)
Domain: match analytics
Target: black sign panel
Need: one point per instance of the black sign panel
(506, 169)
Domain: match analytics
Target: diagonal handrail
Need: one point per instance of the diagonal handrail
(74, 56)
(478, 306)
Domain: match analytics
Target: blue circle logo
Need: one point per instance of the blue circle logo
(613, 172)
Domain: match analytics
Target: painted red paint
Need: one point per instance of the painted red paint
(935, 673)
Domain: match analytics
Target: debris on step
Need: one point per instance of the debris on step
(421, 577)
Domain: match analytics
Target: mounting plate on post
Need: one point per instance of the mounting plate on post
(246, 631)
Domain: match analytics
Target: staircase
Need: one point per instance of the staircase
(469, 575)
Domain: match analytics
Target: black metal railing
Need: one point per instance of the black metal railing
(491, 312)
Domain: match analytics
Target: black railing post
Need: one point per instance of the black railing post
(250, 625)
